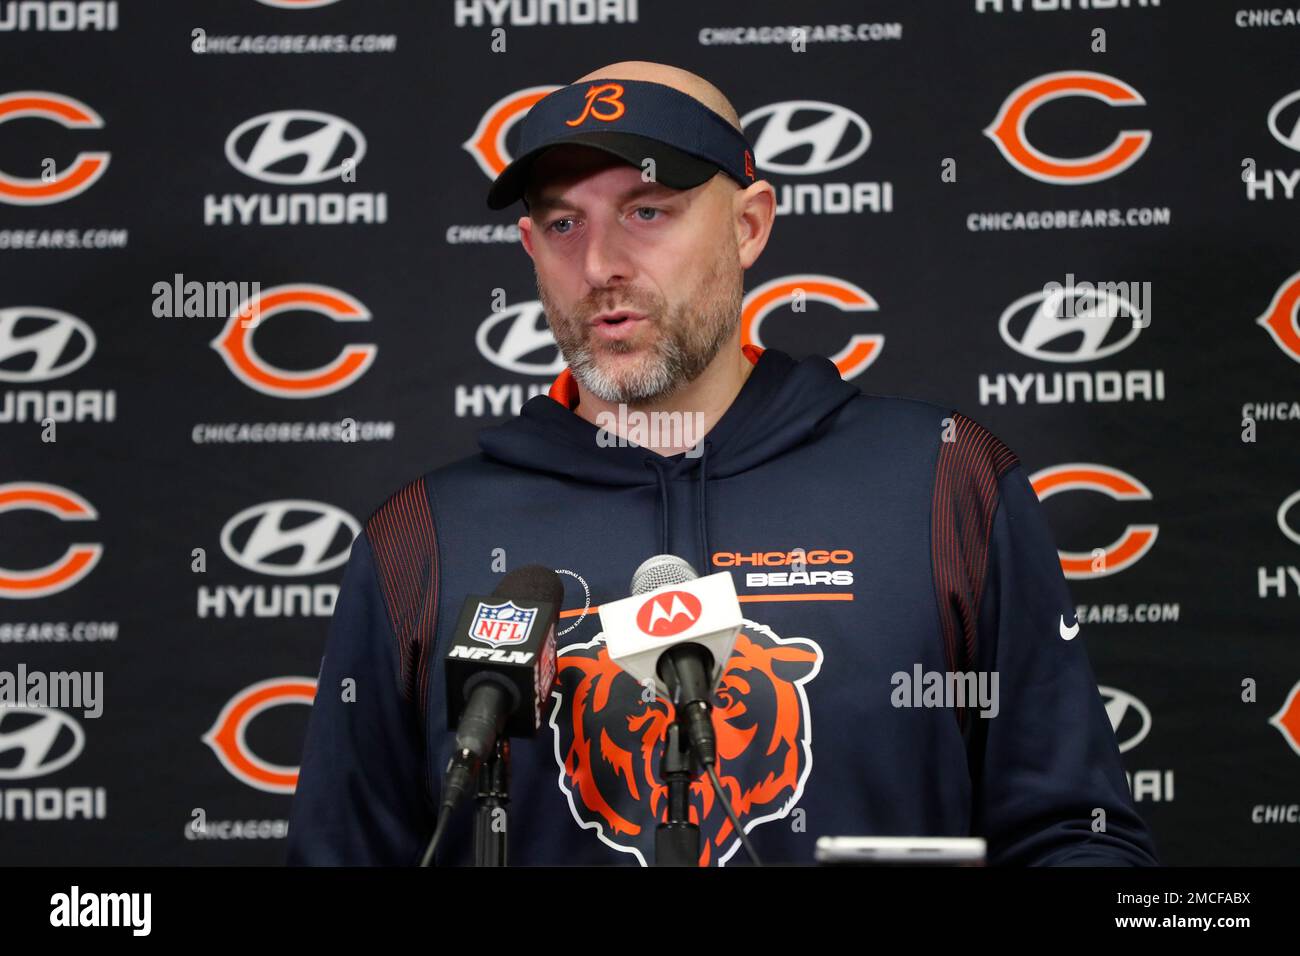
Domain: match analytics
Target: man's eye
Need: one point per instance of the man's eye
(559, 232)
(641, 209)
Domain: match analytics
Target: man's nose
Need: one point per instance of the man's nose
(606, 259)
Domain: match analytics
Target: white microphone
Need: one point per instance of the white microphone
(678, 631)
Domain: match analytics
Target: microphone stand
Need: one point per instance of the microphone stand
(677, 839)
(491, 818)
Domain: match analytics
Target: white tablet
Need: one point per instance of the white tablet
(895, 851)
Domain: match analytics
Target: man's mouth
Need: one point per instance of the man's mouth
(619, 324)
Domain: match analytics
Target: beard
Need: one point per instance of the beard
(685, 339)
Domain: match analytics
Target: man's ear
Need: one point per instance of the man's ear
(754, 209)
(525, 225)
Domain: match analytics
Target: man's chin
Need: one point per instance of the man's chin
(622, 378)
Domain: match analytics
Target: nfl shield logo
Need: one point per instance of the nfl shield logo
(502, 624)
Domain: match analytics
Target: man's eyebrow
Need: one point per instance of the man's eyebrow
(548, 201)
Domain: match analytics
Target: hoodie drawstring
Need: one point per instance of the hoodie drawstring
(704, 567)
(701, 506)
(663, 505)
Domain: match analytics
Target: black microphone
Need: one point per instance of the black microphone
(500, 670)
(678, 630)
(688, 669)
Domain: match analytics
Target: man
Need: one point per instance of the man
(879, 547)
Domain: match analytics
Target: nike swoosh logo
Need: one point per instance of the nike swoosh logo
(1068, 633)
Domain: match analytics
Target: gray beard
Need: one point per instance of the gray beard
(685, 347)
(674, 363)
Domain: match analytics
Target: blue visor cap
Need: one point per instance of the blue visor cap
(634, 120)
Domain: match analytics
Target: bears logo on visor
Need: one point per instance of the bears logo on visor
(606, 95)
(608, 742)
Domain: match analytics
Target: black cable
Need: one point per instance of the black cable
(731, 815)
(443, 816)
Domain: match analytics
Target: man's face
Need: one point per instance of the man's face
(605, 241)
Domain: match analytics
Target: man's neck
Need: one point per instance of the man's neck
(679, 421)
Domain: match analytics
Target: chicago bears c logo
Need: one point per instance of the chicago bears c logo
(862, 349)
(1008, 129)
(609, 738)
(68, 182)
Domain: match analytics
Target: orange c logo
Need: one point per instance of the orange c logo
(77, 561)
(227, 735)
(1125, 551)
(1008, 128)
(853, 359)
(608, 93)
(1280, 317)
(235, 343)
(488, 144)
(77, 178)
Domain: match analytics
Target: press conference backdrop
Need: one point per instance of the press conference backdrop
(178, 491)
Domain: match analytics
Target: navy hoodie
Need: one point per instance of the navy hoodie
(877, 544)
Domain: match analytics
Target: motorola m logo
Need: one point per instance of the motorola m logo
(1077, 322)
(38, 344)
(1284, 121)
(518, 339)
(289, 538)
(669, 613)
(295, 147)
(806, 137)
(1129, 717)
(36, 741)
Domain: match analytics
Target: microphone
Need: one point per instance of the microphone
(500, 670)
(677, 630)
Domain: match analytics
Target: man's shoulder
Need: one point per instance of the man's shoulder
(956, 440)
(896, 410)
(410, 506)
(908, 416)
